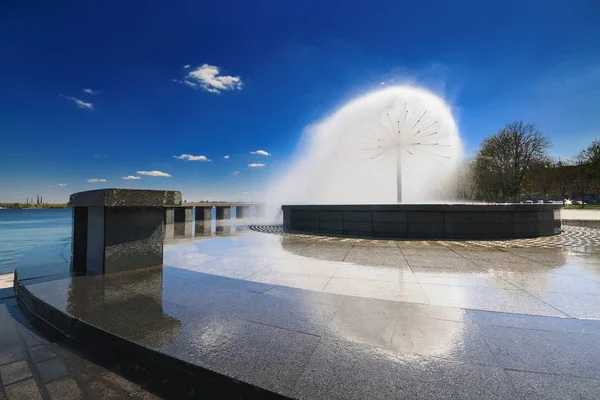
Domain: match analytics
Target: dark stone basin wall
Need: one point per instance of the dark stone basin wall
(426, 221)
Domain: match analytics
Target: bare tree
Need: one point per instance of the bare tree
(508, 154)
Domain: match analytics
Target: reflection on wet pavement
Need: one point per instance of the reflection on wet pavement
(316, 317)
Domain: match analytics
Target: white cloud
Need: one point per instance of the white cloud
(226, 157)
(234, 173)
(79, 103)
(261, 153)
(131, 177)
(256, 165)
(245, 192)
(62, 184)
(382, 83)
(207, 77)
(90, 91)
(94, 180)
(192, 158)
(154, 173)
(186, 66)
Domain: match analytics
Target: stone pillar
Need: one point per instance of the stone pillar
(169, 223)
(183, 221)
(204, 213)
(118, 229)
(203, 228)
(223, 212)
(242, 212)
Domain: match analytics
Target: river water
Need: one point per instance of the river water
(22, 230)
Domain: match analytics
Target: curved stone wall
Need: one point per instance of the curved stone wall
(426, 221)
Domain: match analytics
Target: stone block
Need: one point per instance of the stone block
(223, 212)
(548, 228)
(389, 216)
(52, 370)
(182, 214)
(125, 198)
(389, 229)
(363, 216)
(15, 371)
(471, 229)
(306, 225)
(118, 229)
(501, 227)
(26, 389)
(358, 228)
(425, 217)
(525, 216)
(310, 214)
(133, 238)
(242, 212)
(462, 217)
(168, 223)
(331, 226)
(79, 239)
(330, 215)
(496, 217)
(548, 215)
(203, 213)
(522, 228)
(425, 230)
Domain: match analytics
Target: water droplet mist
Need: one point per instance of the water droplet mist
(399, 143)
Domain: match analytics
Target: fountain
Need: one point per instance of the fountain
(384, 165)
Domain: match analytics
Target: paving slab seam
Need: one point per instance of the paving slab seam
(337, 268)
(556, 374)
(279, 327)
(518, 288)
(497, 360)
(548, 304)
(204, 374)
(305, 365)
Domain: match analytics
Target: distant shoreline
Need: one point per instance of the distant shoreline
(28, 206)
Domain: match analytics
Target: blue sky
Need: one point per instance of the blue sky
(281, 66)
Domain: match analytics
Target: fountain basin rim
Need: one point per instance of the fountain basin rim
(426, 221)
(498, 207)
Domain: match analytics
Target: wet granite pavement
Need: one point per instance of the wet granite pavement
(32, 367)
(313, 317)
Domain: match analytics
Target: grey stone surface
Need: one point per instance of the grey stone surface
(451, 221)
(14, 371)
(48, 377)
(11, 353)
(65, 389)
(24, 390)
(533, 385)
(222, 212)
(52, 369)
(183, 217)
(203, 213)
(341, 369)
(381, 319)
(125, 198)
(168, 223)
(544, 351)
(39, 354)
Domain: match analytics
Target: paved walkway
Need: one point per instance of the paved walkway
(316, 318)
(33, 368)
